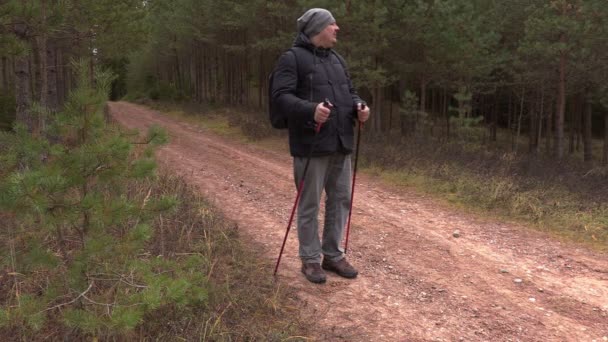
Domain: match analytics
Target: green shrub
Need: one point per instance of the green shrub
(78, 233)
(95, 246)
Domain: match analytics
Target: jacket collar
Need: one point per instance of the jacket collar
(303, 41)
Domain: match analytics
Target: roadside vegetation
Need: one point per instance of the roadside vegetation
(98, 245)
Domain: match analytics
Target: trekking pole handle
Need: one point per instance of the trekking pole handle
(363, 105)
(327, 105)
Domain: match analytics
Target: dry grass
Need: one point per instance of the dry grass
(565, 199)
(245, 303)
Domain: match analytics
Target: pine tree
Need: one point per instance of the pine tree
(76, 225)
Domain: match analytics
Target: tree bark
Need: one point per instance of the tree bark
(561, 105)
(52, 100)
(587, 133)
(423, 84)
(541, 114)
(550, 128)
(532, 127)
(510, 120)
(42, 59)
(580, 116)
(377, 108)
(605, 159)
(521, 114)
(494, 123)
(446, 113)
(573, 125)
(5, 82)
(60, 75)
(22, 83)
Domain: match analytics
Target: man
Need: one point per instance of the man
(304, 77)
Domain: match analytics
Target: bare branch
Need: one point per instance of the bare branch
(70, 302)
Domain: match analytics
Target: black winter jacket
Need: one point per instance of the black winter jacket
(303, 81)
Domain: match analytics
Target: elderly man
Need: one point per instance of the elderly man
(305, 76)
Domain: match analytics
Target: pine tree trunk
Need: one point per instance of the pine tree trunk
(390, 108)
(510, 120)
(541, 114)
(217, 80)
(42, 81)
(195, 72)
(377, 110)
(4, 74)
(561, 106)
(204, 74)
(494, 123)
(35, 70)
(52, 101)
(23, 92)
(261, 81)
(446, 114)
(42, 59)
(433, 111)
(605, 159)
(201, 74)
(61, 79)
(521, 114)
(587, 132)
(22, 82)
(572, 127)
(423, 84)
(532, 128)
(178, 71)
(550, 129)
(580, 114)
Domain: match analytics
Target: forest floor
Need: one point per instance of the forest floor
(496, 282)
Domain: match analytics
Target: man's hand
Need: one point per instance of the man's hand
(322, 112)
(362, 114)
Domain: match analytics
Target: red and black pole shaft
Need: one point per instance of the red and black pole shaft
(327, 104)
(352, 192)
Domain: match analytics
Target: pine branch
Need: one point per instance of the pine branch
(82, 295)
(121, 278)
(103, 304)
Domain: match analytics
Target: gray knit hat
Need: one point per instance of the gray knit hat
(314, 21)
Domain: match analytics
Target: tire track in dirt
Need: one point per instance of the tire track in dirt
(417, 282)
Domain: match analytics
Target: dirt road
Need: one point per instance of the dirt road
(417, 282)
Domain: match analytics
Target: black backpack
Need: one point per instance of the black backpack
(278, 119)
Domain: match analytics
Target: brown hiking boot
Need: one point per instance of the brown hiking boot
(313, 272)
(341, 267)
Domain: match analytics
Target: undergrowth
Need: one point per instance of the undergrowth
(193, 243)
(565, 199)
(95, 245)
(244, 302)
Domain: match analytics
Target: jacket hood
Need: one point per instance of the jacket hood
(303, 41)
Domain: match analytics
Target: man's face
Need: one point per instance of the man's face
(329, 36)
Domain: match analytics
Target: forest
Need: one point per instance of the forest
(505, 88)
(533, 68)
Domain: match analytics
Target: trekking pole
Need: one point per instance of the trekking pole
(352, 192)
(326, 104)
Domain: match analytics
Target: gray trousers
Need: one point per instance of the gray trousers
(332, 173)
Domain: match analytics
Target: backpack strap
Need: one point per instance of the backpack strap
(295, 55)
(340, 58)
(293, 50)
